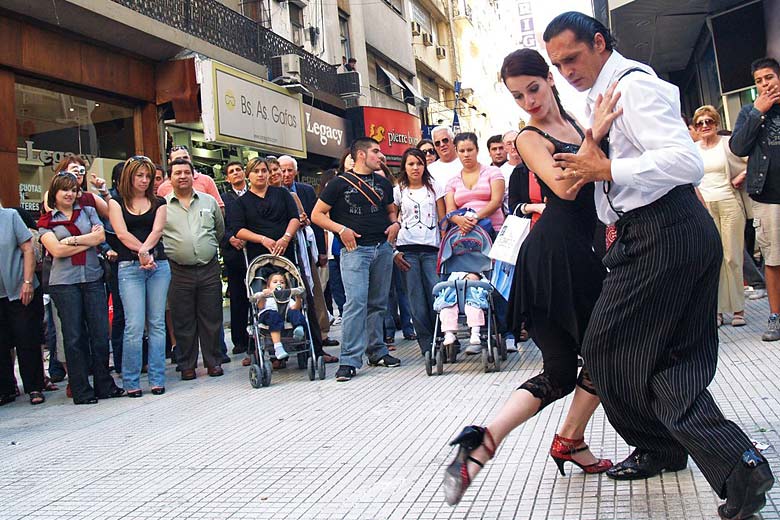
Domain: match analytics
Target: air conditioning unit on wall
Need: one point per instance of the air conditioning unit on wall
(286, 66)
(416, 29)
(427, 39)
(441, 53)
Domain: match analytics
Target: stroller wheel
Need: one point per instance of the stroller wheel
(302, 357)
(265, 378)
(496, 359)
(452, 350)
(310, 368)
(255, 376)
(321, 367)
(485, 360)
(429, 362)
(439, 362)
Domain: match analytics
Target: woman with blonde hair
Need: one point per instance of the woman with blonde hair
(138, 218)
(724, 175)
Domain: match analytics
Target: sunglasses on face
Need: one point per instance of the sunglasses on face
(429, 151)
(446, 140)
(705, 122)
(65, 173)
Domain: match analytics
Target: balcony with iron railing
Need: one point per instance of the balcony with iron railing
(219, 25)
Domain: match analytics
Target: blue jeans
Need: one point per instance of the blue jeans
(397, 301)
(364, 272)
(144, 294)
(336, 284)
(83, 316)
(419, 281)
(118, 323)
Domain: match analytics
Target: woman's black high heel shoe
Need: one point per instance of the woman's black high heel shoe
(456, 477)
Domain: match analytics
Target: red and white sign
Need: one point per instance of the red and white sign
(394, 130)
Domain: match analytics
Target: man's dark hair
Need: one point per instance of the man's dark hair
(765, 63)
(233, 163)
(361, 144)
(182, 160)
(584, 27)
(495, 139)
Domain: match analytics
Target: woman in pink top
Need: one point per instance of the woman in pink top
(478, 187)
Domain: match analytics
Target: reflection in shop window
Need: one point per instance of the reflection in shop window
(51, 125)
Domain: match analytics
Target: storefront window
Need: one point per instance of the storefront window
(51, 125)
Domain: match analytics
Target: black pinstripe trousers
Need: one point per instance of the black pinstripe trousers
(652, 342)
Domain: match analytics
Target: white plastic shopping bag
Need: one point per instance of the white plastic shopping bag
(509, 239)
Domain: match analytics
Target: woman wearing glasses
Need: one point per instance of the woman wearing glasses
(420, 203)
(724, 174)
(138, 218)
(427, 148)
(70, 232)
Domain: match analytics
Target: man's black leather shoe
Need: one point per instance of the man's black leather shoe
(643, 464)
(746, 487)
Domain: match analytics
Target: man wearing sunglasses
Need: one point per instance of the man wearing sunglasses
(448, 165)
(757, 135)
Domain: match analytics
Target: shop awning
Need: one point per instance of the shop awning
(410, 87)
(391, 77)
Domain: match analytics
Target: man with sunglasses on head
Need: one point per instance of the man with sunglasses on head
(202, 183)
(448, 165)
(757, 135)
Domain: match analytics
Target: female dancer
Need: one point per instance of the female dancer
(557, 282)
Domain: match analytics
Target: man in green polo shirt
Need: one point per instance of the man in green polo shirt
(191, 237)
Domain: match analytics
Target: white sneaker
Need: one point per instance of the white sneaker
(449, 338)
(337, 321)
(475, 339)
(757, 294)
(280, 353)
(331, 318)
(511, 346)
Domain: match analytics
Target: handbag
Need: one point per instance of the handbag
(509, 239)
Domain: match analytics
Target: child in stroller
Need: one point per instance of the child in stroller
(446, 304)
(268, 301)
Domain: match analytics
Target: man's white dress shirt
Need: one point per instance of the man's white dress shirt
(649, 144)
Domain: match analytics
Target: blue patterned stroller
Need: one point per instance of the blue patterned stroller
(467, 253)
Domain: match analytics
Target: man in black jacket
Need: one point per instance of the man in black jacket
(235, 265)
(757, 135)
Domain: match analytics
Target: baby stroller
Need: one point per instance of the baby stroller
(466, 253)
(260, 344)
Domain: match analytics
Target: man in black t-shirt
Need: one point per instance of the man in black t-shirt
(757, 135)
(358, 207)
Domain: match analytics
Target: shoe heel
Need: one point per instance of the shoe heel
(559, 462)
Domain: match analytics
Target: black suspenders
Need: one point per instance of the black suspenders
(604, 145)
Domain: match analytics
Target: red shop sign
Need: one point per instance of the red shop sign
(395, 130)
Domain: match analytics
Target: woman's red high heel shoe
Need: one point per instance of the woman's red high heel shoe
(562, 450)
(456, 478)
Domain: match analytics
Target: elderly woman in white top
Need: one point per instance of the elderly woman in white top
(724, 174)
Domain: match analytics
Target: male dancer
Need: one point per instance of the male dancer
(652, 345)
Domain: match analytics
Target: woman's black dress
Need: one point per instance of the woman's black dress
(557, 274)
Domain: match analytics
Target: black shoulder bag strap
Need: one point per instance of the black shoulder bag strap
(604, 145)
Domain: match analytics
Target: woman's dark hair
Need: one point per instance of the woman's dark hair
(584, 27)
(403, 177)
(528, 62)
(116, 174)
(62, 180)
(327, 176)
(466, 136)
(343, 159)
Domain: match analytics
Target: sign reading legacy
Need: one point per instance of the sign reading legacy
(326, 134)
(242, 109)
